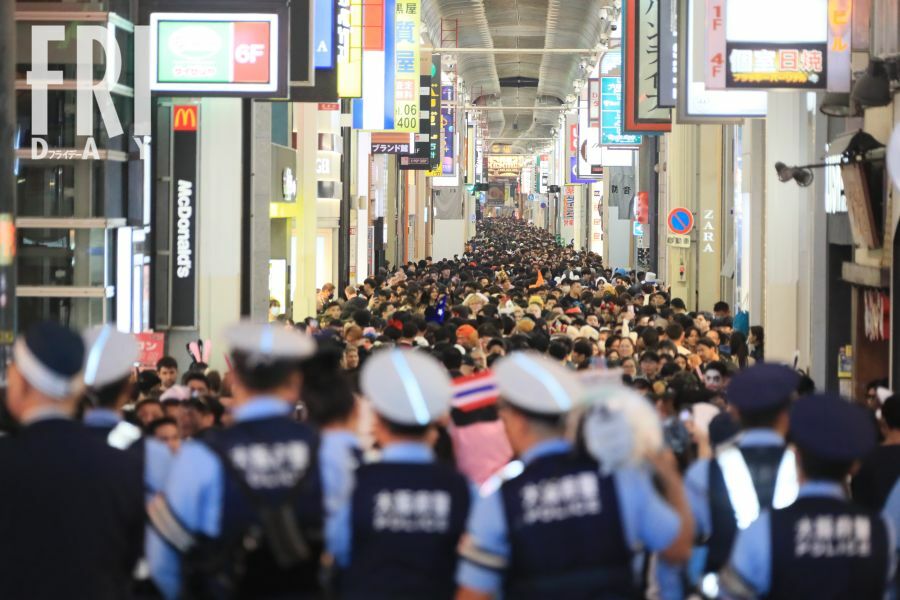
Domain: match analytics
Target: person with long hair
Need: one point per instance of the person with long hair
(740, 352)
(757, 342)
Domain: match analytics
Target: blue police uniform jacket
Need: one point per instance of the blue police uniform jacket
(763, 463)
(826, 548)
(72, 514)
(278, 459)
(565, 532)
(407, 521)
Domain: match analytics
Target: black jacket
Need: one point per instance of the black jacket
(71, 514)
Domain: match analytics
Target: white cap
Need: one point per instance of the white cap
(535, 383)
(110, 357)
(621, 427)
(268, 342)
(406, 387)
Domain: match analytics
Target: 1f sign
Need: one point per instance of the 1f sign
(40, 78)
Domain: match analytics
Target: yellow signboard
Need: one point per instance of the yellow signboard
(349, 46)
(407, 20)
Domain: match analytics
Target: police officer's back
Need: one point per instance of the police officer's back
(755, 472)
(408, 511)
(562, 528)
(71, 510)
(243, 506)
(822, 546)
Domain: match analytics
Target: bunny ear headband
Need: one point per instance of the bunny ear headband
(200, 351)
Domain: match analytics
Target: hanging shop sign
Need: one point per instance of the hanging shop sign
(420, 159)
(448, 124)
(151, 348)
(434, 114)
(407, 19)
(642, 111)
(183, 309)
(696, 103)
(642, 207)
(747, 48)
(594, 106)
(323, 44)
(393, 148)
(349, 48)
(374, 110)
(569, 212)
(668, 53)
(611, 115)
(218, 53)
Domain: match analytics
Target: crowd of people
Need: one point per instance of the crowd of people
(520, 421)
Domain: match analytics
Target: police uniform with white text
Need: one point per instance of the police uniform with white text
(822, 546)
(242, 512)
(726, 493)
(560, 528)
(402, 526)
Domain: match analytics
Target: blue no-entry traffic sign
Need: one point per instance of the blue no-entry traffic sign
(681, 221)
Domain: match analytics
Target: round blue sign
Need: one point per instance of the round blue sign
(681, 221)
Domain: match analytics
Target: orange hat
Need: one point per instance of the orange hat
(466, 331)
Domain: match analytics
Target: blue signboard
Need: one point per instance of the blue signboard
(323, 32)
(573, 173)
(611, 115)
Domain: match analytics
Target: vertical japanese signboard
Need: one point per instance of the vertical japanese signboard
(668, 52)
(448, 125)
(324, 34)
(611, 115)
(185, 123)
(594, 102)
(406, 65)
(434, 116)
(641, 108)
(349, 42)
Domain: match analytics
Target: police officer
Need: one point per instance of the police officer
(408, 511)
(758, 471)
(73, 508)
(823, 545)
(561, 528)
(242, 511)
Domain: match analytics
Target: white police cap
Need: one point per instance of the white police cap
(537, 384)
(110, 356)
(269, 342)
(406, 387)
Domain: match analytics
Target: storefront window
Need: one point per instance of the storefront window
(63, 257)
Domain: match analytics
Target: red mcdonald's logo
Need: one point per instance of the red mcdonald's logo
(185, 117)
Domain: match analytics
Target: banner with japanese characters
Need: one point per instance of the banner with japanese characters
(641, 109)
(407, 20)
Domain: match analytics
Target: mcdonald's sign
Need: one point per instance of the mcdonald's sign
(185, 117)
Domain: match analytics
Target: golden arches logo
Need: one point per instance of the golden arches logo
(184, 118)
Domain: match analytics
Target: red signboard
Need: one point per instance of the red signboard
(333, 106)
(185, 117)
(152, 348)
(251, 52)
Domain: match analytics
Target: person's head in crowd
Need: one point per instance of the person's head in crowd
(496, 346)
(830, 435)
(713, 335)
(467, 337)
(761, 396)
(890, 419)
(332, 310)
(721, 309)
(108, 373)
(582, 353)
(675, 333)
(147, 382)
(703, 321)
(264, 361)
(650, 365)
(165, 429)
(148, 410)
(409, 391)
(536, 393)
(629, 366)
(678, 306)
(167, 369)
(196, 382)
(714, 376)
(707, 350)
(350, 358)
(626, 347)
(681, 362)
(196, 416)
(327, 291)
